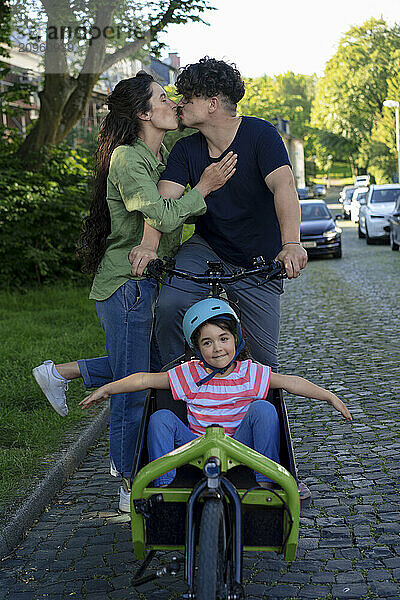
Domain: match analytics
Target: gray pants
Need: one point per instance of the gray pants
(259, 306)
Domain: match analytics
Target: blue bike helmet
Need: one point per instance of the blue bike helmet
(201, 312)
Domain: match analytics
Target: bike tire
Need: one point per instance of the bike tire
(212, 553)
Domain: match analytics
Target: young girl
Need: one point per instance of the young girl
(223, 387)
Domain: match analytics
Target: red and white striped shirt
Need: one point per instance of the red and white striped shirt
(223, 400)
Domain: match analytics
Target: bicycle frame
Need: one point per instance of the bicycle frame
(230, 453)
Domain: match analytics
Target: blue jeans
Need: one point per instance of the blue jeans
(259, 305)
(259, 430)
(126, 318)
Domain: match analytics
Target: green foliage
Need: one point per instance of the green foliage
(288, 96)
(349, 97)
(83, 138)
(40, 217)
(380, 148)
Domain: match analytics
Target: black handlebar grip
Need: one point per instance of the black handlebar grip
(154, 268)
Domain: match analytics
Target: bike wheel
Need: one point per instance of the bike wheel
(211, 578)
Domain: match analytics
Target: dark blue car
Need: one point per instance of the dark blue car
(319, 234)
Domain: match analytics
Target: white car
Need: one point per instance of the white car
(361, 180)
(358, 198)
(345, 198)
(373, 216)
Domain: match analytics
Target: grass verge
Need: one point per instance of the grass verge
(56, 322)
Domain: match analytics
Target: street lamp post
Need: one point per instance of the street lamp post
(395, 104)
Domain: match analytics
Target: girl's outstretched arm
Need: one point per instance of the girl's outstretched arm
(303, 387)
(133, 383)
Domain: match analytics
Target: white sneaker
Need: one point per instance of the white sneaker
(52, 387)
(124, 500)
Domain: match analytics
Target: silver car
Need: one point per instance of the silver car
(358, 198)
(374, 215)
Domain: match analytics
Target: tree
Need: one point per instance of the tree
(83, 39)
(380, 149)
(288, 96)
(350, 95)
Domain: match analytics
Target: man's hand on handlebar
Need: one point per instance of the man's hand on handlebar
(293, 258)
(139, 257)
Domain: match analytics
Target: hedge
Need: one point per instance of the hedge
(41, 215)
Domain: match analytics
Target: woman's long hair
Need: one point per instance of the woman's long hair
(121, 126)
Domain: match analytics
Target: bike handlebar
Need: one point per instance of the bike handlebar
(215, 274)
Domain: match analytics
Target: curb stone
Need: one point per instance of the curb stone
(51, 483)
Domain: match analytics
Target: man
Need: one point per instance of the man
(256, 213)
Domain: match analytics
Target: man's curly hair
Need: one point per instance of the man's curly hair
(210, 77)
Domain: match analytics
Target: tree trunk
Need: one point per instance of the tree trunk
(53, 99)
(76, 105)
(353, 169)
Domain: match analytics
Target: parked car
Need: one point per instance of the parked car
(304, 193)
(374, 214)
(358, 198)
(318, 232)
(319, 190)
(394, 227)
(361, 180)
(345, 198)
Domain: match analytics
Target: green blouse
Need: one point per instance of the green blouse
(133, 198)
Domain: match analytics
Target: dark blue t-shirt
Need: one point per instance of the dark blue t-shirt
(240, 222)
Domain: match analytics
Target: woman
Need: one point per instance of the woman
(129, 161)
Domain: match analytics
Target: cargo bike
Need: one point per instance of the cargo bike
(214, 510)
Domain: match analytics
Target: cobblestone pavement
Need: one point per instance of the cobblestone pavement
(340, 329)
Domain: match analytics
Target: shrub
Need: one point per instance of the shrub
(40, 216)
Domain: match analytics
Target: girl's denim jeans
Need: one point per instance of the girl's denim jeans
(259, 430)
(127, 318)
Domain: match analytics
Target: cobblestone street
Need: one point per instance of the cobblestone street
(341, 329)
